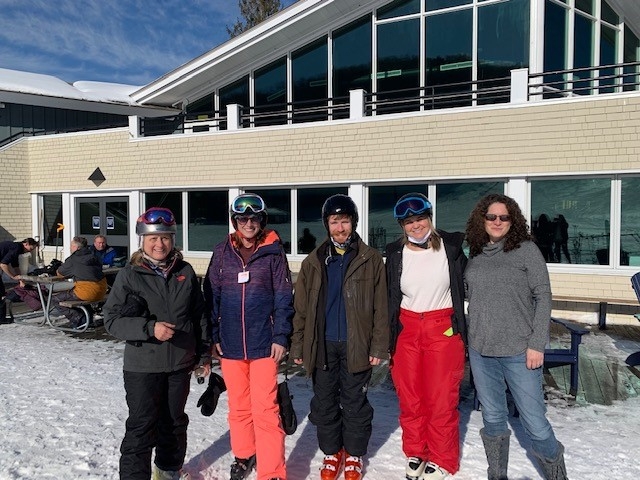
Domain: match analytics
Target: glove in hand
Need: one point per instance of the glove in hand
(135, 306)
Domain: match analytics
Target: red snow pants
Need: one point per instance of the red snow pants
(427, 368)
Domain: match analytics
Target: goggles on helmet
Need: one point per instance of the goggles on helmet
(243, 203)
(411, 206)
(157, 215)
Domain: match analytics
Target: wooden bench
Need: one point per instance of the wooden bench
(87, 308)
(556, 357)
(603, 304)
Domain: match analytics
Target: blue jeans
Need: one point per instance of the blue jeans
(492, 376)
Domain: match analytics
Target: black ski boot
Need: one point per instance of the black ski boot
(241, 467)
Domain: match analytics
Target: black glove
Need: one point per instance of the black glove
(287, 413)
(209, 399)
(135, 306)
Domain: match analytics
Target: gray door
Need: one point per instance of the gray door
(108, 216)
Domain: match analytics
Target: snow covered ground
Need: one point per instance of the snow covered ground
(62, 416)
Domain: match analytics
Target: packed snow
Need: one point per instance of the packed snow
(63, 414)
(47, 85)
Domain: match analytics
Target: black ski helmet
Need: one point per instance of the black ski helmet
(339, 205)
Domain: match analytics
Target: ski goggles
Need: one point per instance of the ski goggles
(242, 204)
(411, 206)
(157, 215)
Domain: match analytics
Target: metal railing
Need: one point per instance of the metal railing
(616, 78)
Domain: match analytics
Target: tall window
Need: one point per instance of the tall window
(449, 39)
(570, 219)
(271, 94)
(172, 201)
(234, 93)
(556, 20)
(309, 70)
(351, 62)
(398, 58)
(630, 222)
(503, 44)
(310, 201)
(207, 226)
(583, 48)
(631, 54)
(608, 56)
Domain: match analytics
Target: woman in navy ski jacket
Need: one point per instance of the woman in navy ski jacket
(249, 288)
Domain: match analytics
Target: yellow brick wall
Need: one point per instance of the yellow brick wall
(570, 137)
(15, 202)
(592, 135)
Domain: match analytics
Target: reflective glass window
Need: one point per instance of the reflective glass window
(454, 202)
(208, 219)
(438, 4)
(398, 66)
(172, 201)
(398, 9)
(202, 105)
(310, 90)
(608, 14)
(449, 50)
(503, 45)
(608, 53)
(570, 219)
(630, 222)
(556, 20)
(351, 61)
(271, 94)
(631, 54)
(234, 93)
(278, 203)
(51, 217)
(585, 5)
(583, 47)
(310, 201)
(383, 228)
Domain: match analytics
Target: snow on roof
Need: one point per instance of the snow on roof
(48, 85)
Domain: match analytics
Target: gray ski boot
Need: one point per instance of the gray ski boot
(497, 452)
(553, 469)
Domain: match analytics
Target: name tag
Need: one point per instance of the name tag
(243, 277)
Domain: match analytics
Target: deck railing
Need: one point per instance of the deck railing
(521, 86)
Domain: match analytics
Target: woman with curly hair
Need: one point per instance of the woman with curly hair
(509, 297)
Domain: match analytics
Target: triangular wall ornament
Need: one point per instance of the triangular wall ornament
(97, 177)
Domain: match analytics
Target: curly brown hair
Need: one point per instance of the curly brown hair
(476, 234)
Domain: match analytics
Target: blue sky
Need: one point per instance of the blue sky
(121, 41)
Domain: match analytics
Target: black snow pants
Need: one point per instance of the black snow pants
(157, 419)
(340, 409)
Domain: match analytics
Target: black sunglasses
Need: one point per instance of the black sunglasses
(491, 217)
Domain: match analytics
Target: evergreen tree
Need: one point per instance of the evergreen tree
(253, 12)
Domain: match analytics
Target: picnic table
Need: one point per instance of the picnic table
(45, 285)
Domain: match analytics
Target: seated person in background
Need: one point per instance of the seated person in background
(90, 283)
(104, 253)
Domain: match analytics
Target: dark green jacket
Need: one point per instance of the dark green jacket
(365, 297)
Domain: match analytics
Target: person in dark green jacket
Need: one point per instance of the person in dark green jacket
(156, 306)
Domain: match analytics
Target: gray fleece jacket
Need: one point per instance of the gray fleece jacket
(509, 297)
